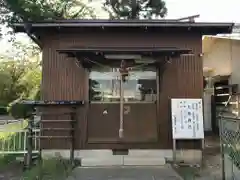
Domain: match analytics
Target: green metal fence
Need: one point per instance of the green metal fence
(14, 137)
(230, 147)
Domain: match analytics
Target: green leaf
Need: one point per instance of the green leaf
(141, 9)
(37, 10)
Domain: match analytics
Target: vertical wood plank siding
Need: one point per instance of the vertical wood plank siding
(64, 80)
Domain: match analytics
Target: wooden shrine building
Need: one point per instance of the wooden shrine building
(126, 72)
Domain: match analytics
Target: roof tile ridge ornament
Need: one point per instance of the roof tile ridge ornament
(189, 18)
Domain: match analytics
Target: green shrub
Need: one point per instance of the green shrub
(18, 110)
(3, 110)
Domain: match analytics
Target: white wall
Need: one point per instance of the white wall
(235, 63)
(224, 57)
(218, 57)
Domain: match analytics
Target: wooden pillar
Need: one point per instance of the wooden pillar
(73, 123)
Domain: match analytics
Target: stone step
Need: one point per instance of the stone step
(144, 161)
(102, 161)
(132, 153)
(122, 160)
(150, 153)
(135, 156)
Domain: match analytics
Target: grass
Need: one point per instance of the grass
(187, 172)
(49, 169)
(6, 160)
(10, 139)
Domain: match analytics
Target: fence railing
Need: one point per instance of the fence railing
(24, 137)
(230, 147)
(14, 137)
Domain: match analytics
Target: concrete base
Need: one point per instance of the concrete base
(144, 161)
(102, 161)
(134, 158)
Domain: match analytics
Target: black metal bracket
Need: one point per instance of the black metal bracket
(51, 103)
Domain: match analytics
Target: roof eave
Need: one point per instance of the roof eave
(125, 24)
(204, 28)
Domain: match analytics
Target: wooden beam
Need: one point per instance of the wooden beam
(28, 28)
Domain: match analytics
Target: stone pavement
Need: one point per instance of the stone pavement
(125, 173)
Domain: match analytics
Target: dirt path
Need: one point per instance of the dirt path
(211, 169)
(212, 160)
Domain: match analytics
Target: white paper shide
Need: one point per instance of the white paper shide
(187, 118)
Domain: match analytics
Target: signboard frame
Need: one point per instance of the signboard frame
(177, 114)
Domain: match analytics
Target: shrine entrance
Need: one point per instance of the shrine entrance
(123, 103)
(123, 109)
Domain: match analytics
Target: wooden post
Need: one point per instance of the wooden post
(203, 147)
(237, 105)
(121, 130)
(174, 152)
(72, 149)
(222, 148)
(214, 115)
(29, 141)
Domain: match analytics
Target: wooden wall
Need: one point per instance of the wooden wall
(64, 80)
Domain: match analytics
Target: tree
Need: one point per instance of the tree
(18, 80)
(10, 73)
(30, 83)
(93, 93)
(21, 76)
(135, 9)
(38, 10)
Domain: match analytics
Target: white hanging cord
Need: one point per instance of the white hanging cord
(105, 66)
(77, 63)
(121, 128)
(97, 63)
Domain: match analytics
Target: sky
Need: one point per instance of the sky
(209, 10)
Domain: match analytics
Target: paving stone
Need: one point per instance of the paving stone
(125, 173)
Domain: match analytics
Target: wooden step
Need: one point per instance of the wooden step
(224, 103)
(226, 86)
(123, 160)
(224, 94)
